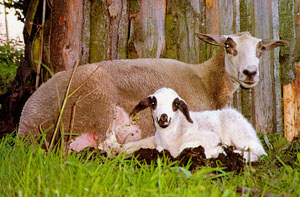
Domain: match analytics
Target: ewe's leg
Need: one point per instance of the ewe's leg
(83, 141)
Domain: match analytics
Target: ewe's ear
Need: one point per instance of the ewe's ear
(184, 109)
(143, 104)
(268, 44)
(212, 39)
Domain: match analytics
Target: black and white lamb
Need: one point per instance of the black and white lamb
(177, 128)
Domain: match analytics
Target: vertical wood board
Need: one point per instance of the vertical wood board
(263, 93)
(100, 38)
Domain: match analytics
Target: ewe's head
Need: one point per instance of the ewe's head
(242, 54)
(164, 103)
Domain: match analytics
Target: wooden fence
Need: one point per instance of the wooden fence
(291, 103)
(116, 29)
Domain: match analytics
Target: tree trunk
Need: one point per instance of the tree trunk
(66, 30)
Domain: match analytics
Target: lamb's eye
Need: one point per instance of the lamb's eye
(175, 104)
(153, 103)
(226, 45)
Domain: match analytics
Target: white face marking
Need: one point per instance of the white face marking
(165, 98)
(244, 67)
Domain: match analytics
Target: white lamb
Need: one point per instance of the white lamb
(175, 131)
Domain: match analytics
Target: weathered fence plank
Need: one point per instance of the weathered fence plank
(100, 38)
(297, 100)
(185, 19)
(227, 17)
(278, 90)
(148, 28)
(119, 21)
(66, 30)
(263, 93)
(289, 111)
(86, 34)
(287, 32)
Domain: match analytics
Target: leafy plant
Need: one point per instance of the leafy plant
(18, 5)
(10, 54)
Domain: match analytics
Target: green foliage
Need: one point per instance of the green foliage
(10, 54)
(30, 171)
(18, 5)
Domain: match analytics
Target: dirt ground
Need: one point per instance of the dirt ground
(194, 157)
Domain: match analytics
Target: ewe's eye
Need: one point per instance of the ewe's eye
(230, 47)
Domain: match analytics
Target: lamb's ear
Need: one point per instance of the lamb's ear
(184, 109)
(268, 44)
(143, 104)
(218, 40)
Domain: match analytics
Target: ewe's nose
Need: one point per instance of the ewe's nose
(250, 71)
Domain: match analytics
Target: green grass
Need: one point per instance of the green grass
(30, 171)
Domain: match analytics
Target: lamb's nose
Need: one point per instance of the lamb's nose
(163, 121)
(163, 118)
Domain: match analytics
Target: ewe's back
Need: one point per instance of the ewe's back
(119, 82)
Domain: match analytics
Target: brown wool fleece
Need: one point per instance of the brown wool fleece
(125, 82)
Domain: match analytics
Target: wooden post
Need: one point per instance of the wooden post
(66, 29)
(263, 93)
(287, 32)
(184, 19)
(297, 100)
(289, 111)
(148, 28)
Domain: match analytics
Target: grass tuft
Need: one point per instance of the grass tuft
(31, 171)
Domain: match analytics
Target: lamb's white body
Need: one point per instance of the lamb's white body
(232, 129)
(175, 131)
(187, 135)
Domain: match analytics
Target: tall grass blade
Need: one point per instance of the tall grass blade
(62, 108)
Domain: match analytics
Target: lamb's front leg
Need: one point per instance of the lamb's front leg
(205, 138)
(111, 145)
(131, 147)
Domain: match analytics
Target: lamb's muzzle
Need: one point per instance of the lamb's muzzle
(164, 121)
